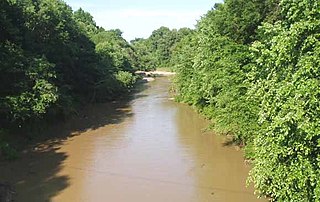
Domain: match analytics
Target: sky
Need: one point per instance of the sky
(138, 18)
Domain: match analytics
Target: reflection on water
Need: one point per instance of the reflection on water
(148, 150)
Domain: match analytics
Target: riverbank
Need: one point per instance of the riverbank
(148, 76)
(155, 73)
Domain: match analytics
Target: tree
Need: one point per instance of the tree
(286, 80)
(53, 60)
(85, 22)
(156, 51)
(27, 90)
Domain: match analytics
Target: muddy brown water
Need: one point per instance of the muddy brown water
(147, 149)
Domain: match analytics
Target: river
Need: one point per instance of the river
(146, 149)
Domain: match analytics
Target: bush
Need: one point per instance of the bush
(287, 150)
(126, 79)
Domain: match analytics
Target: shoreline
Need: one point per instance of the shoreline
(155, 73)
(150, 75)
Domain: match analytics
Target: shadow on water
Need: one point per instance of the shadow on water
(35, 175)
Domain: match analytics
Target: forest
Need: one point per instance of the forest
(54, 60)
(252, 67)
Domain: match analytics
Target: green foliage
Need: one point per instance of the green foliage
(287, 150)
(53, 60)
(26, 91)
(144, 54)
(116, 53)
(85, 22)
(156, 51)
(216, 85)
(239, 19)
(212, 66)
(126, 79)
(265, 94)
(260, 85)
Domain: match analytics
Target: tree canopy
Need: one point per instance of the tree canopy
(156, 51)
(53, 59)
(252, 67)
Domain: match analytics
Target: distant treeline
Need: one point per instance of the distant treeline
(253, 68)
(156, 51)
(53, 60)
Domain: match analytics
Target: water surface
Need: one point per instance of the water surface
(148, 149)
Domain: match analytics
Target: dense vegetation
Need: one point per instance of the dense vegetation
(54, 60)
(253, 68)
(156, 51)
